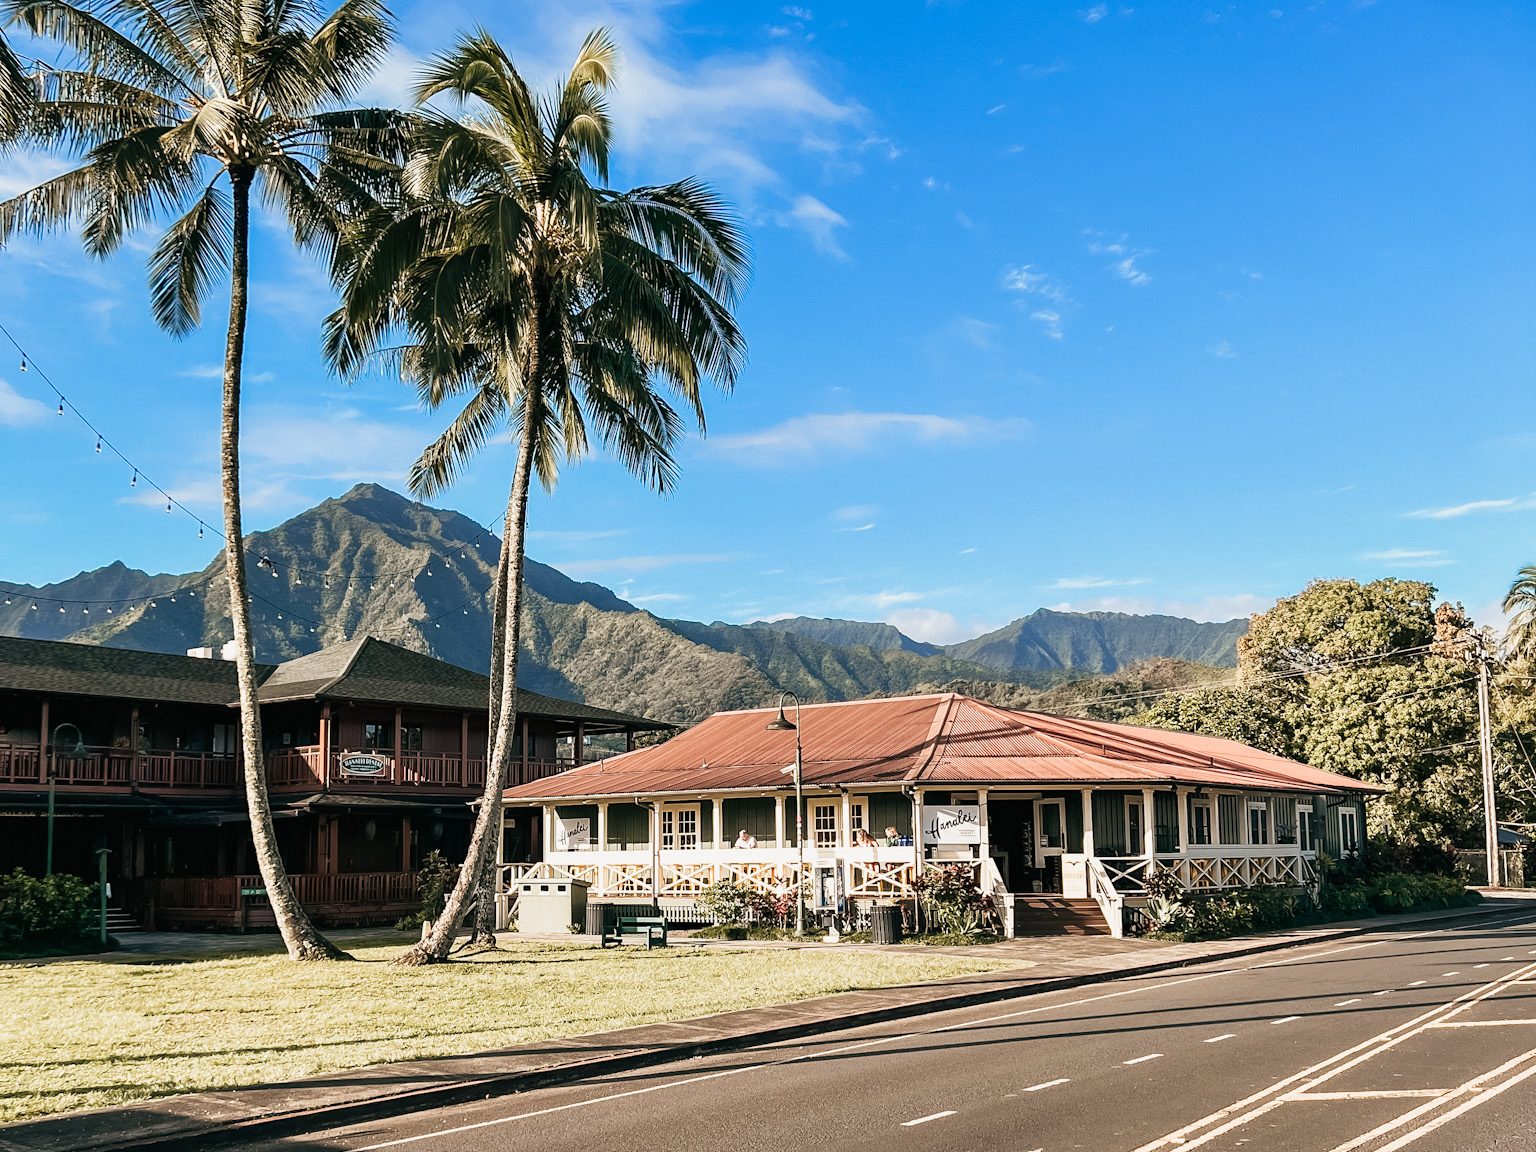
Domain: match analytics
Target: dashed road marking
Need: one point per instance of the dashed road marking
(925, 1119)
(1144, 1059)
(1418, 983)
(1285, 1019)
(1048, 1084)
(1479, 965)
(1456, 973)
(1384, 992)
(1381, 1094)
(1219, 1039)
(1347, 1003)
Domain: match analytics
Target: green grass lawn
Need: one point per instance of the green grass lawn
(87, 1034)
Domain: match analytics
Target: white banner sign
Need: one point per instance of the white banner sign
(951, 824)
(573, 834)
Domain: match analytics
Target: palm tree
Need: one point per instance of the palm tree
(552, 305)
(15, 92)
(183, 108)
(1520, 603)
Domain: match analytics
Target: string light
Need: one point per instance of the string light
(61, 407)
(134, 483)
(98, 445)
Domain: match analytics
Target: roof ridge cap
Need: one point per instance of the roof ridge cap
(943, 718)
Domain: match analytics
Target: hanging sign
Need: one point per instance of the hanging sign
(951, 824)
(363, 764)
(573, 833)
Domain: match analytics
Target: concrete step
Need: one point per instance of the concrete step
(1035, 915)
(119, 921)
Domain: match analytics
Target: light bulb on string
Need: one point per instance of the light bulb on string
(61, 407)
(134, 483)
(98, 445)
(61, 609)
(109, 611)
(23, 363)
(167, 507)
(34, 605)
(85, 611)
(199, 531)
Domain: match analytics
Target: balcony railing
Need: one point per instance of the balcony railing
(119, 768)
(306, 767)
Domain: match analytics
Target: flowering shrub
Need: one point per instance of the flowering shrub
(958, 907)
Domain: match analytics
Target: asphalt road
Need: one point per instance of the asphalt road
(1381, 1042)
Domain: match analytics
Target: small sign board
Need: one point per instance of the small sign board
(573, 833)
(363, 764)
(951, 824)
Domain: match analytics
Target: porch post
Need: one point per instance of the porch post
(1148, 825)
(405, 843)
(464, 748)
(1088, 848)
(629, 739)
(399, 774)
(579, 744)
(325, 745)
(43, 745)
(133, 743)
(549, 830)
(845, 822)
(778, 820)
(1181, 801)
(718, 811)
(602, 826)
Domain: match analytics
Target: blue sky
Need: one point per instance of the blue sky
(1170, 307)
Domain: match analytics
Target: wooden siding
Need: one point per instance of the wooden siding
(1109, 826)
(629, 827)
(1165, 819)
(755, 814)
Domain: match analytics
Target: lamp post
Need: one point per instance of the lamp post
(783, 724)
(53, 776)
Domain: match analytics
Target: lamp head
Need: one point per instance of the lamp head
(782, 723)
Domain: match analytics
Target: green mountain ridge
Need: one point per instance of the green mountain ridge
(371, 561)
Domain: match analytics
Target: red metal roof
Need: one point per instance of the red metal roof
(938, 739)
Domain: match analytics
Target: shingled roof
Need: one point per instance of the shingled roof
(68, 669)
(377, 671)
(365, 669)
(944, 739)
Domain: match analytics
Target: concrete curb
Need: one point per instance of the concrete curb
(188, 1132)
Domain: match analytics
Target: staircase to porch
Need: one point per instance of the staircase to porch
(119, 921)
(1035, 915)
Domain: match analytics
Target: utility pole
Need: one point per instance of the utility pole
(1485, 743)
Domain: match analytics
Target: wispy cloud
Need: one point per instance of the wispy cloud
(216, 372)
(858, 527)
(26, 168)
(803, 436)
(932, 626)
(620, 566)
(1050, 320)
(1095, 14)
(880, 601)
(18, 411)
(818, 221)
(656, 598)
(1223, 350)
(575, 536)
(1211, 608)
(1028, 280)
(1098, 581)
(1472, 507)
(1410, 557)
(1124, 264)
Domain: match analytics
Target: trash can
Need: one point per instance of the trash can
(551, 905)
(595, 925)
(885, 924)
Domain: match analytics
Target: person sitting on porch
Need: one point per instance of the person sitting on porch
(862, 839)
(892, 837)
(745, 839)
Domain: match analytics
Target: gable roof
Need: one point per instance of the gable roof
(70, 669)
(365, 669)
(932, 740)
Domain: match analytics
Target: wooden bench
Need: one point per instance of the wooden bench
(652, 928)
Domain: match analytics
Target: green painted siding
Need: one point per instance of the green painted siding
(629, 827)
(1165, 819)
(1109, 825)
(755, 815)
(1074, 821)
(889, 809)
(1229, 819)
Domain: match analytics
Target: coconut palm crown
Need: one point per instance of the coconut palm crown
(1520, 605)
(506, 278)
(179, 110)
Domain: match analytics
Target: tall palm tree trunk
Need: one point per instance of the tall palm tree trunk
(303, 941)
(439, 940)
(483, 927)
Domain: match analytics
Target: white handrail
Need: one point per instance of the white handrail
(1111, 903)
(992, 883)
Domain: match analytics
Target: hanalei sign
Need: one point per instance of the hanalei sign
(951, 824)
(363, 764)
(573, 833)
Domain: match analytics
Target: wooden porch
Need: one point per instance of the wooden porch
(240, 901)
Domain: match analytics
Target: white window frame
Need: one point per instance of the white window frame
(1259, 806)
(1135, 829)
(824, 823)
(856, 815)
(673, 836)
(1202, 838)
(1349, 832)
(1304, 829)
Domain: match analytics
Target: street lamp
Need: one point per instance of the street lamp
(53, 776)
(783, 724)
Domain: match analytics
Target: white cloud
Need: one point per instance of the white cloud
(880, 601)
(1410, 557)
(635, 565)
(26, 168)
(18, 411)
(1050, 320)
(858, 527)
(216, 372)
(1124, 266)
(968, 551)
(931, 626)
(849, 512)
(1098, 582)
(1211, 608)
(392, 81)
(300, 443)
(655, 598)
(573, 536)
(1473, 506)
(995, 109)
(1030, 281)
(1223, 350)
(816, 220)
(803, 436)
(1095, 14)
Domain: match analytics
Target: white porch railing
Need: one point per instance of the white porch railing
(1221, 868)
(1101, 886)
(993, 885)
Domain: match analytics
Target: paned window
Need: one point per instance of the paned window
(1349, 831)
(378, 736)
(1200, 830)
(1258, 823)
(1304, 827)
(680, 828)
(824, 825)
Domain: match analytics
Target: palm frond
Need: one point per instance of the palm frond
(192, 252)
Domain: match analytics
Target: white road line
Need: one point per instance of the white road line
(1384, 992)
(1456, 973)
(1223, 1120)
(1219, 1039)
(1479, 965)
(1347, 1003)
(1479, 1023)
(1048, 1084)
(1382, 1094)
(1285, 1019)
(925, 1119)
(1418, 983)
(1503, 959)
(1144, 1059)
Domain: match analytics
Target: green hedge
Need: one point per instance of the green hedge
(44, 914)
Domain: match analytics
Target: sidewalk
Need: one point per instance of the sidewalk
(270, 1111)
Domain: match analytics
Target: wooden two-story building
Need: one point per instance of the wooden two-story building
(374, 754)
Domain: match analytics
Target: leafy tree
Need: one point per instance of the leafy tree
(183, 108)
(504, 278)
(1520, 604)
(1367, 680)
